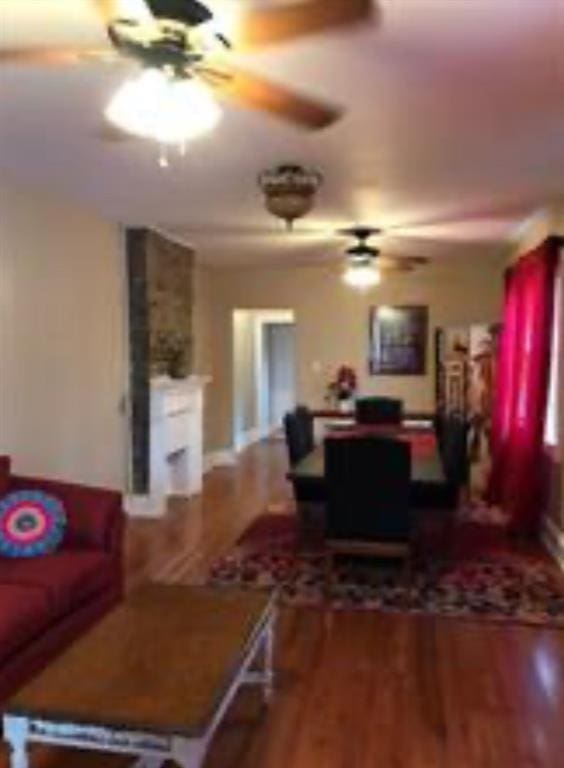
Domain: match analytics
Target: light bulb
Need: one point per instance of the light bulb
(362, 276)
(159, 107)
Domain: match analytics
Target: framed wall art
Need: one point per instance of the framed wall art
(466, 373)
(398, 340)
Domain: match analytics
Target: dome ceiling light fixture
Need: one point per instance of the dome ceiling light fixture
(289, 191)
(362, 273)
(362, 277)
(157, 105)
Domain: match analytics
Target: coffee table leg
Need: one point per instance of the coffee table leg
(15, 733)
(149, 762)
(189, 753)
(268, 686)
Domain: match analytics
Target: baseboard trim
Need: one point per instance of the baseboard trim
(553, 540)
(269, 431)
(248, 438)
(225, 457)
(144, 506)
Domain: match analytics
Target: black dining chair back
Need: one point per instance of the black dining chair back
(439, 425)
(379, 410)
(454, 449)
(296, 438)
(368, 489)
(305, 418)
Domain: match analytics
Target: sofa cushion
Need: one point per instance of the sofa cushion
(24, 614)
(32, 523)
(93, 514)
(67, 577)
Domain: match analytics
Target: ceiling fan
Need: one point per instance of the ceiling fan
(362, 254)
(312, 245)
(178, 37)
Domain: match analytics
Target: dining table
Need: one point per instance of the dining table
(429, 485)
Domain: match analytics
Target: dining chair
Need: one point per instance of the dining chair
(437, 508)
(453, 446)
(296, 438)
(309, 496)
(305, 418)
(379, 410)
(368, 497)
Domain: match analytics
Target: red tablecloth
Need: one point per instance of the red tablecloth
(423, 441)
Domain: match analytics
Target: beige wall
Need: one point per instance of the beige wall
(61, 339)
(202, 320)
(205, 331)
(332, 324)
(244, 389)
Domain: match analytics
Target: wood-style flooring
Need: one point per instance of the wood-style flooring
(358, 690)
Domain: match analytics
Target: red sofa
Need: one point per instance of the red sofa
(46, 602)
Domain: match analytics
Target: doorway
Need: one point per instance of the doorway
(278, 384)
(264, 372)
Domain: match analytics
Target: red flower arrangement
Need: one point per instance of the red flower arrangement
(343, 386)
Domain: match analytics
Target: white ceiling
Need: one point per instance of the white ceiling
(454, 131)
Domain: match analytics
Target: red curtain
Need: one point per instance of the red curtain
(522, 388)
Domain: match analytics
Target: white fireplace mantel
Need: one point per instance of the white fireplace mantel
(176, 443)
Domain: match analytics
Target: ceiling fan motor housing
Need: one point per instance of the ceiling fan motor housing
(189, 12)
(362, 254)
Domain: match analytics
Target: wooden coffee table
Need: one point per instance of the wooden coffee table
(153, 679)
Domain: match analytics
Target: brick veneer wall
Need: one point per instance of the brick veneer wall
(160, 278)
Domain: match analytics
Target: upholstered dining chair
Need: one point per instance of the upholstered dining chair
(297, 442)
(379, 410)
(438, 506)
(306, 421)
(368, 497)
(453, 445)
(309, 496)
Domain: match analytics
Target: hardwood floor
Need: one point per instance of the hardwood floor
(359, 690)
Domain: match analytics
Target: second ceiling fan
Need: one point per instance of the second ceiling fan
(362, 254)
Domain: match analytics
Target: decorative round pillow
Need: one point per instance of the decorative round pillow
(32, 523)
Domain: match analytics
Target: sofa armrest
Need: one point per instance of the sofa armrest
(95, 515)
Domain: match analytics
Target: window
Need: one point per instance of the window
(551, 436)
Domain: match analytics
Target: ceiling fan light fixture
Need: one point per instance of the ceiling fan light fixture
(362, 277)
(160, 107)
(362, 254)
(289, 191)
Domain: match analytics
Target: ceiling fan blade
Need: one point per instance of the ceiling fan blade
(279, 101)
(266, 26)
(109, 10)
(214, 76)
(401, 264)
(53, 56)
(387, 266)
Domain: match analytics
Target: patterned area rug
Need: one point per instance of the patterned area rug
(484, 578)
